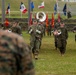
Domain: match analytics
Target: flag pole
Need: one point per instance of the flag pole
(9, 9)
(9, 15)
(29, 11)
(66, 9)
(21, 14)
(57, 6)
(3, 11)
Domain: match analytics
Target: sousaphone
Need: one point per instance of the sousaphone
(41, 16)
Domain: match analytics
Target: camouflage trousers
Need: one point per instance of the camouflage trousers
(35, 46)
(62, 45)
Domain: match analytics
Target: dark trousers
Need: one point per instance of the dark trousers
(62, 50)
(63, 46)
(49, 33)
(55, 44)
(44, 34)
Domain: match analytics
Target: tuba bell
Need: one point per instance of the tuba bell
(41, 16)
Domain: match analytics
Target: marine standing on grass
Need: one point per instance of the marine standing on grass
(15, 55)
(62, 38)
(35, 31)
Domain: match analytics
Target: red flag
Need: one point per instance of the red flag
(6, 23)
(8, 9)
(59, 17)
(46, 19)
(41, 5)
(52, 20)
(23, 8)
(30, 22)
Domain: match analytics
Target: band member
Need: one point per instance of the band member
(35, 31)
(62, 35)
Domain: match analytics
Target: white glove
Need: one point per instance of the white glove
(30, 31)
(59, 33)
(38, 31)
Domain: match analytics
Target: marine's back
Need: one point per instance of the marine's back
(15, 56)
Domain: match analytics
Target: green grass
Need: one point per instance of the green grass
(50, 61)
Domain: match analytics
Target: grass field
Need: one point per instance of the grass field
(50, 61)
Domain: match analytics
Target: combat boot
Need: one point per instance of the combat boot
(36, 57)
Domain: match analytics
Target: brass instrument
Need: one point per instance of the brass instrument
(56, 32)
(41, 16)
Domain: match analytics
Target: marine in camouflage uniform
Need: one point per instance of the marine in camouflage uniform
(16, 28)
(35, 31)
(62, 38)
(15, 55)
